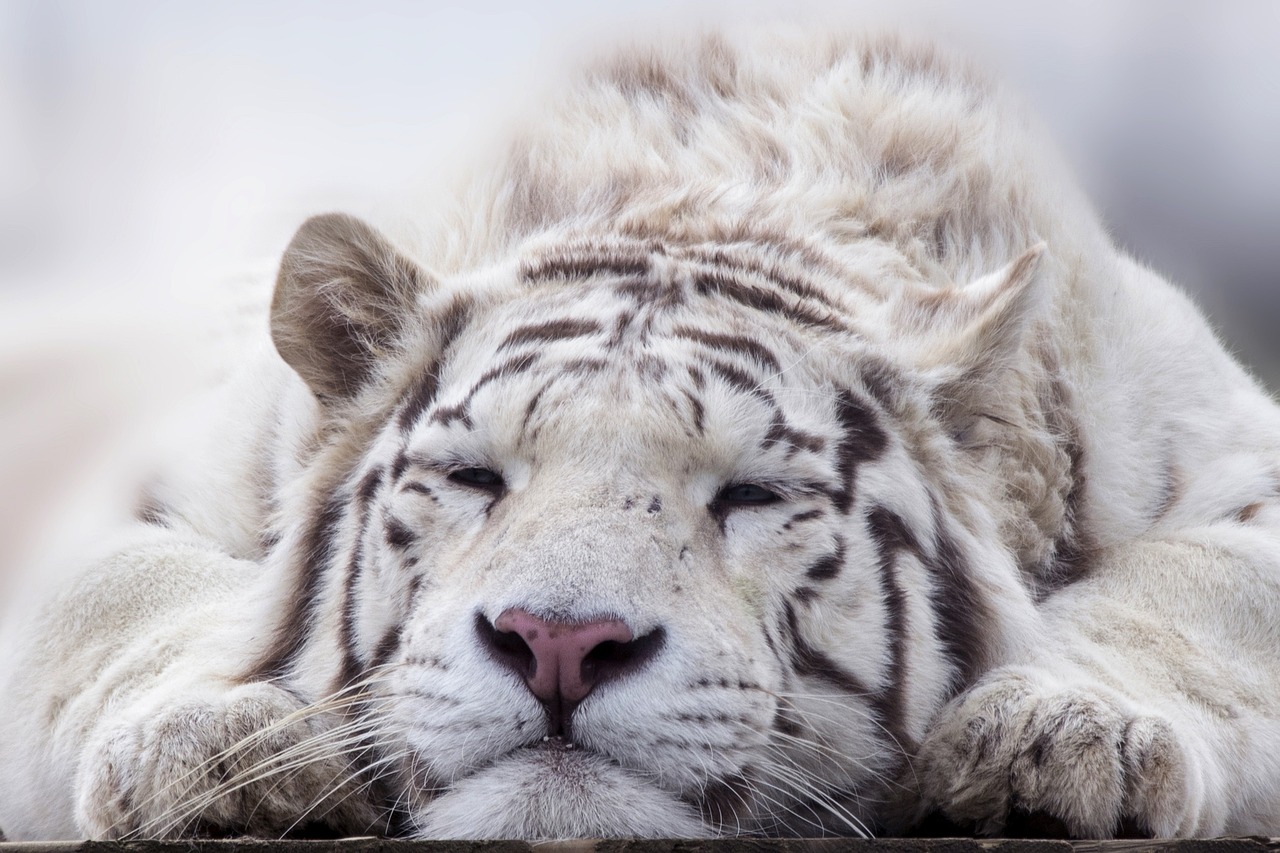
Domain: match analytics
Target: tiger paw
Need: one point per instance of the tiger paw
(1071, 757)
(249, 760)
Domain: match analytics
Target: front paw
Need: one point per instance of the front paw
(250, 760)
(1015, 746)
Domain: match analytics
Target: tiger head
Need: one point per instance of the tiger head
(625, 538)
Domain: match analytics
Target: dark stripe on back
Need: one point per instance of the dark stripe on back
(715, 283)
(738, 344)
(881, 382)
(367, 489)
(584, 366)
(737, 378)
(739, 263)
(584, 264)
(552, 330)
(399, 465)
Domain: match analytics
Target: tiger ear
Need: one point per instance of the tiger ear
(965, 338)
(341, 297)
(996, 311)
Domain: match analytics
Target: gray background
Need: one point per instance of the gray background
(149, 148)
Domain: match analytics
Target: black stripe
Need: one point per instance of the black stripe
(584, 365)
(881, 381)
(519, 364)
(585, 264)
(399, 465)
(783, 722)
(699, 413)
(552, 330)
(1073, 550)
(533, 403)
(737, 378)
(811, 663)
(829, 566)
(807, 515)
(366, 491)
(316, 554)
(390, 640)
(620, 324)
(719, 284)
(862, 440)
(780, 432)
(446, 415)
(398, 534)
(731, 343)
(349, 668)
(449, 324)
(422, 396)
(961, 610)
(461, 410)
(889, 534)
(649, 366)
(735, 263)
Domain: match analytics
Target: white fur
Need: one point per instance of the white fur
(1063, 441)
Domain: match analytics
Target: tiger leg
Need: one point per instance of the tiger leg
(149, 732)
(1148, 705)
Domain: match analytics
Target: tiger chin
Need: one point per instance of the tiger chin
(773, 444)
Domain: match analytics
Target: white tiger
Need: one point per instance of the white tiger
(775, 444)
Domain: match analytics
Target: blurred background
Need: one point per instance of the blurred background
(152, 151)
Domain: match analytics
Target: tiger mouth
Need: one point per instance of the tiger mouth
(554, 788)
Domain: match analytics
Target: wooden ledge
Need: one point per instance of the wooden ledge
(821, 845)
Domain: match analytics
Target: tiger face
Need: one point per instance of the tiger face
(636, 543)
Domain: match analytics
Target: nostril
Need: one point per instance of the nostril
(613, 659)
(506, 647)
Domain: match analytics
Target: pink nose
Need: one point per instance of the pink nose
(564, 661)
(560, 652)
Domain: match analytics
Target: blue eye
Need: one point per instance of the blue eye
(746, 494)
(478, 478)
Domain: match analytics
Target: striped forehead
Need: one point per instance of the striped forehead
(687, 339)
(587, 362)
(622, 356)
